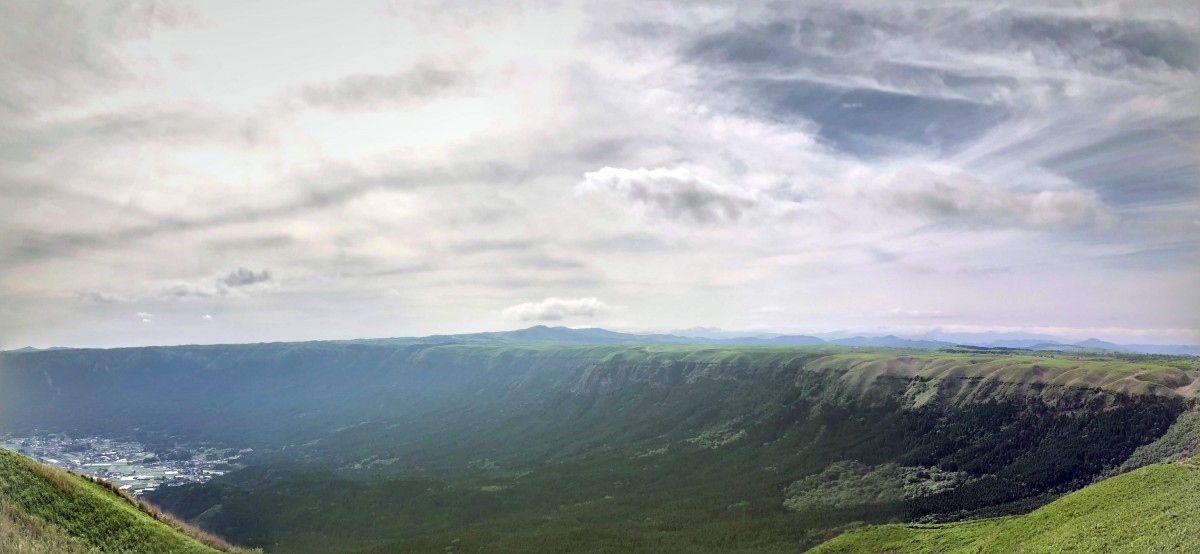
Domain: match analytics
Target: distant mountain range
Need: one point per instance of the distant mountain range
(715, 337)
(32, 349)
(544, 334)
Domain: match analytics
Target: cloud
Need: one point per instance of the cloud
(206, 317)
(374, 91)
(241, 277)
(327, 187)
(982, 270)
(1182, 335)
(960, 199)
(77, 51)
(829, 151)
(555, 309)
(144, 314)
(235, 283)
(99, 297)
(676, 194)
(1181, 255)
(265, 242)
(187, 290)
(912, 314)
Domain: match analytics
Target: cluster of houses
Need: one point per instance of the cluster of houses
(126, 464)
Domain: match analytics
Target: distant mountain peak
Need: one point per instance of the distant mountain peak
(1097, 343)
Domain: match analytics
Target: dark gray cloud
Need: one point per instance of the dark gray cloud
(228, 285)
(675, 194)
(373, 91)
(242, 277)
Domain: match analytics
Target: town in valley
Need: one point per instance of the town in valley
(127, 464)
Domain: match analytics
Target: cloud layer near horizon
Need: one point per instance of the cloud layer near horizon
(400, 168)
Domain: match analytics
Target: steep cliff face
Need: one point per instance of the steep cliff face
(1012, 427)
(954, 379)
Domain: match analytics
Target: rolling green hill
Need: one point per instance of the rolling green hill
(1153, 509)
(46, 510)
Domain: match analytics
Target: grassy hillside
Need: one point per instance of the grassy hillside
(1153, 509)
(21, 533)
(46, 510)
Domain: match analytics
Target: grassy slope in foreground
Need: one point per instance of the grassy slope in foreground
(43, 509)
(1153, 509)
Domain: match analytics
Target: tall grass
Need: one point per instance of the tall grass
(92, 512)
(21, 533)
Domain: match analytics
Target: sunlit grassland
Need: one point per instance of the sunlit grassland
(1153, 509)
(50, 510)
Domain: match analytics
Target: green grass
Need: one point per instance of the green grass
(43, 509)
(965, 378)
(21, 533)
(1153, 509)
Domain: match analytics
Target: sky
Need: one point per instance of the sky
(230, 171)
